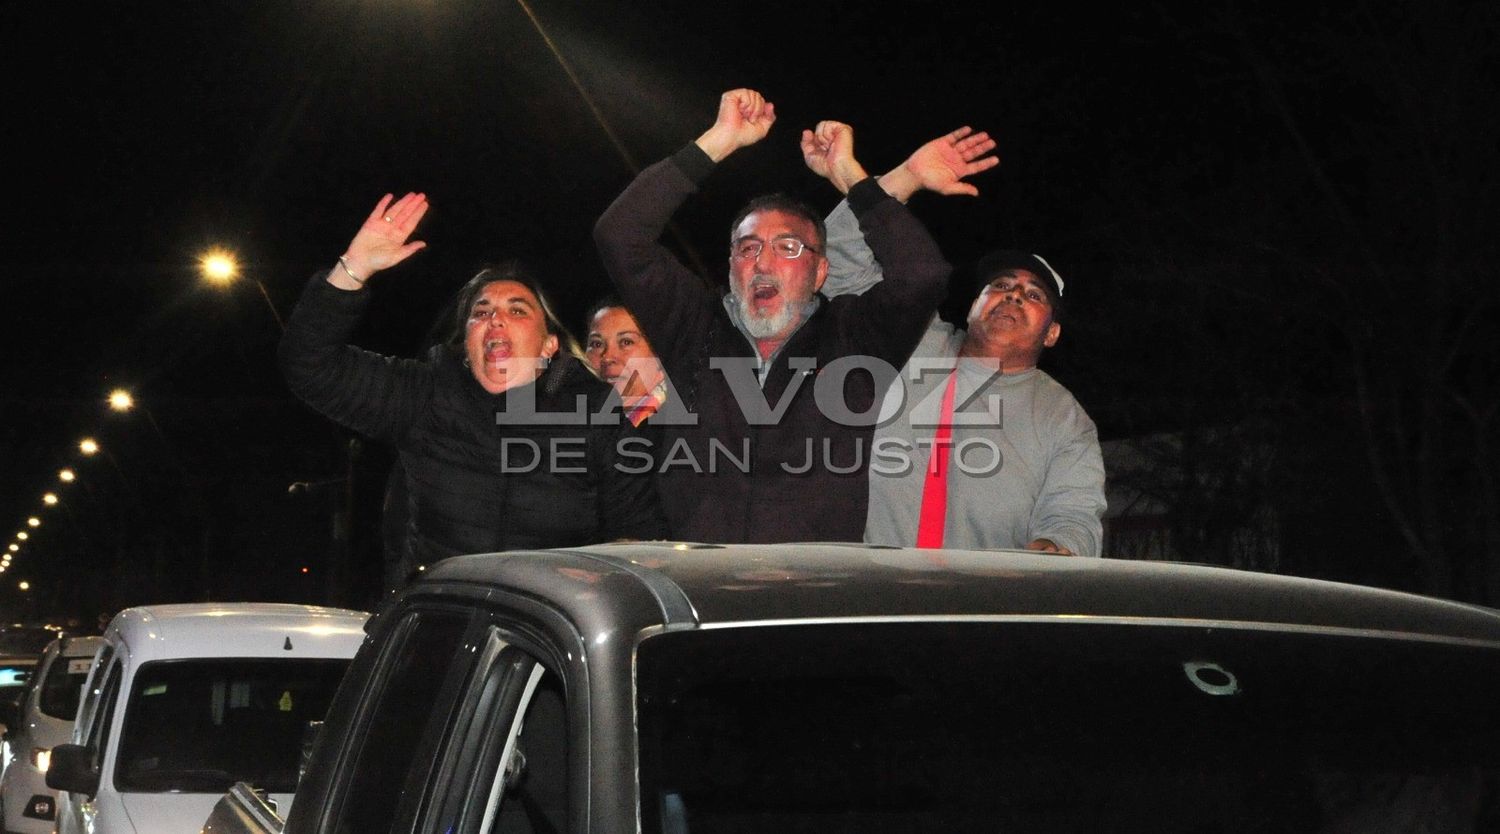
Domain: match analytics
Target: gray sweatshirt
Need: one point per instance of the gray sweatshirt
(1025, 461)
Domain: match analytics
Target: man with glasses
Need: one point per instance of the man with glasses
(771, 448)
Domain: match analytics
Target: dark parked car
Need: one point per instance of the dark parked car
(826, 688)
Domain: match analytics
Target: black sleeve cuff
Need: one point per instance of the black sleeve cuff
(865, 195)
(693, 162)
(319, 287)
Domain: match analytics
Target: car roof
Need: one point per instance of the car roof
(640, 585)
(81, 646)
(227, 629)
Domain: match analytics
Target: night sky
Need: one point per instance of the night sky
(1263, 220)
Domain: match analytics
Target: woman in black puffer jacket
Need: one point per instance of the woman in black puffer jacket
(493, 437)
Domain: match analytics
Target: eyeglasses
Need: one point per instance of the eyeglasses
(789, 248)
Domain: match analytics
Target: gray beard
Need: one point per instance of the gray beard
(769, 327)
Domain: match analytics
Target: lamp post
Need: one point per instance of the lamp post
(220, 268)
(89, 447)
(121, 400)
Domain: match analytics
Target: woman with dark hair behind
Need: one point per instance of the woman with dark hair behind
(495, 453)
(619, 353)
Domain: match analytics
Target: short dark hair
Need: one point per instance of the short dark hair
(784, 203)
(516, 271)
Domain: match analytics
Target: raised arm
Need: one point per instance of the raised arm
(381, 242)
(376, 395)
(828, 150)
(886, 322)
(939, 166)
(745, 117)
(671, 302)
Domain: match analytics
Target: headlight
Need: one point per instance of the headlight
(41, 757)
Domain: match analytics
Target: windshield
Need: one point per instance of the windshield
(967, 727)
(62, 688)
(199, 726)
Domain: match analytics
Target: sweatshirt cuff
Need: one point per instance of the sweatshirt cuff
(866, 194)
(694, 162)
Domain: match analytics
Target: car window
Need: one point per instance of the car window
(901, 727)
(402, 722)
(103, 715)
(62, 687)
(199, 726)
(83, 728)
(530, 793)
(506, 751)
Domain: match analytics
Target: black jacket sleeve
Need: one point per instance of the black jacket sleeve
(890, 318)
(673, 304)
(376, 395)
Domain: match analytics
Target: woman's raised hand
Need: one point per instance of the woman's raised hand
(382, 242)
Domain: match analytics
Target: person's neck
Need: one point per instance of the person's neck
(1003, 361)
(768, 347)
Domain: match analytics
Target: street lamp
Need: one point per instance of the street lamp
(66, 476)
(88, 446)
(34, 521)
(22, 535)
(15, 548)
(219, 267)
(49, 498)
(24, 585)
(123, 401)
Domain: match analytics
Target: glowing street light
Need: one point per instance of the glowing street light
(15, 548)
(88, 446)
(49, 499)
(24, 585)
(22, 535)
(66, 476)
(34, 521)
(219, 267)
(120, 400)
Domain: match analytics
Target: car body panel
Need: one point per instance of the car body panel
(22, 782)
(140, 637)
(725, 584)
(591, 614)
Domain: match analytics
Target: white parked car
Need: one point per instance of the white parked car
(185, 700)
(44, 719)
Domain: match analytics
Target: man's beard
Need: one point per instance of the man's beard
(768, 326)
